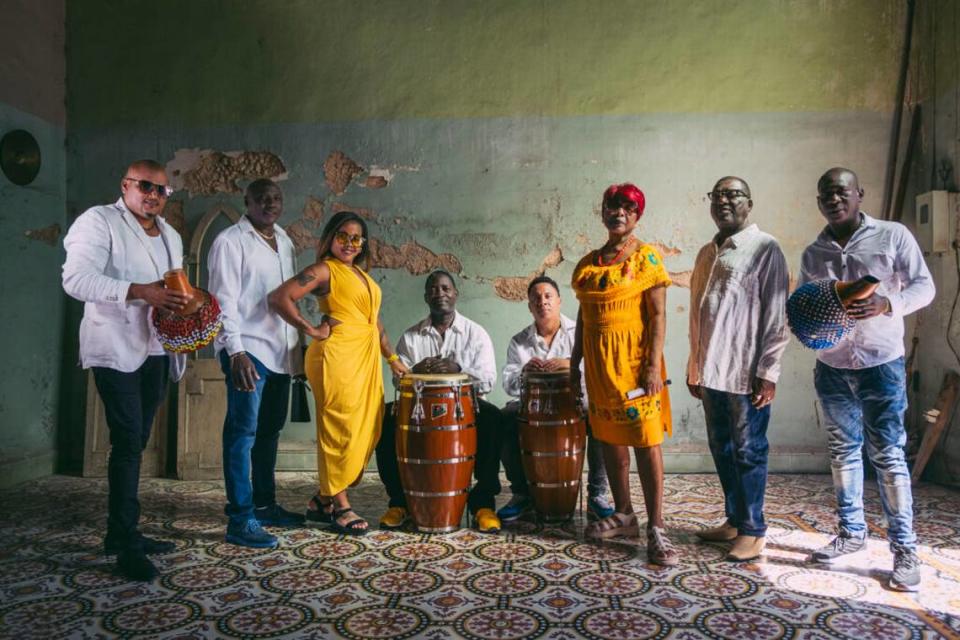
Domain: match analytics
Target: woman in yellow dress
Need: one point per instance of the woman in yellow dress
(342, 363)
(620, 333)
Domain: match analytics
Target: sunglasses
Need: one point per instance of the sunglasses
(345, 238)
(146, 188)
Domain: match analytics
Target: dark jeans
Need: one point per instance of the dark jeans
(251, 432)
(486, 468)
(130, 402)
(868, 402)
(738, 441)
(513, 462)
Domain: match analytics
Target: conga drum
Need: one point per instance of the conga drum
(436, 447)
(553, 439)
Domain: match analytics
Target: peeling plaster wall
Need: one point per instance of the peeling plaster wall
(491, 157)
(32, 219)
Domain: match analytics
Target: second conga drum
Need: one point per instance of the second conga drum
(436, 447)
(553, 438)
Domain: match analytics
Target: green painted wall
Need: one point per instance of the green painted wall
(215, 62)
(32, 93)
(501, 124)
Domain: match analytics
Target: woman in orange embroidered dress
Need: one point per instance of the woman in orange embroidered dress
(620, 334)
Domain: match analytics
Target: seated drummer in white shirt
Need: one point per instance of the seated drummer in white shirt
(447, 342)
(545, 345)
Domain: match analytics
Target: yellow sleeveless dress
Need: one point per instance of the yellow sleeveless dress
(613, 347)
(344, 371)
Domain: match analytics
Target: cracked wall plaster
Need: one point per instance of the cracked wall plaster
(207, 172)
(515, 287)
(49, 234)
(413, 257)
(339, 170)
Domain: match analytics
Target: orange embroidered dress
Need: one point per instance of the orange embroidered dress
(611, 299)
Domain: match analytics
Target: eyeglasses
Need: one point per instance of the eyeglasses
(146, 187)
(729, 194)
(345, 238)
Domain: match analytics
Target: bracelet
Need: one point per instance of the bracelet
(237, 354)
(393, 358)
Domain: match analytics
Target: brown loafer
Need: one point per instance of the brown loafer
(746, 548)
(724, 533)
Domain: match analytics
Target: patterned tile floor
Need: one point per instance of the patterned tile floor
(528, 582)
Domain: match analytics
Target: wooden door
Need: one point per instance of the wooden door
(96, 443)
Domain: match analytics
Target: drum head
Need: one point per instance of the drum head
(436, 379)
(547, 376)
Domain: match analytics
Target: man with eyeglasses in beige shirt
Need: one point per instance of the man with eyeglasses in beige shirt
(738, 296)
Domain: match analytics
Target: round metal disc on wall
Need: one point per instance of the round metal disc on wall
(19, 157)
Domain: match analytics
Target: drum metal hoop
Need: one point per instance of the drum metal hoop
(421, 429)
(436, 460)
(568, 453)
(552, 423)
(555, 485)
(437, 494)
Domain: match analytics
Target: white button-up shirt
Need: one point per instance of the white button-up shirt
(465, 342)
(888, 252)
(528, 344)
(738, 295)
(244, 269)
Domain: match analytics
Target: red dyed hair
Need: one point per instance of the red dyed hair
(624, 195)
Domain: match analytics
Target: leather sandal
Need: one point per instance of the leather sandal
(351, 528)
(618, 524)
(319, 511)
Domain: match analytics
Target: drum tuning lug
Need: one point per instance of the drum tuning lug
(417, 414)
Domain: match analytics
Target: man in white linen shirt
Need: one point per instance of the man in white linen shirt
(738, 296)
(448, 342)
(861, 382)
(258, 351)
(545, 345)
(116, 257)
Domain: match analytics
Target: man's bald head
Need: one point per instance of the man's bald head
(839, 174)
(146, 165)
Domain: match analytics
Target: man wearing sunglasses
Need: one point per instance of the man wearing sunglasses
(738, 295)
(258, 351)
(861, 381)
(116, 257)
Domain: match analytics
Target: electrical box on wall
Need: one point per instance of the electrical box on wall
(936, 213)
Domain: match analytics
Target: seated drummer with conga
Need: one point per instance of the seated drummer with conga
(543, 346)
(446, 342)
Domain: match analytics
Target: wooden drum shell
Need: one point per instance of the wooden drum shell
(553, 442)
(436, 448)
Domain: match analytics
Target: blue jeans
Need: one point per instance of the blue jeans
(868, 401)
(251, 432)
(737, 432)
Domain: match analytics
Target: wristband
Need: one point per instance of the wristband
(393, 358)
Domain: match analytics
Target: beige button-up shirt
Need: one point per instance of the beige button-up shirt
(738, 296)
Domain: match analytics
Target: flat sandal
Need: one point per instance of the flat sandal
(618, 524)
(350, 528)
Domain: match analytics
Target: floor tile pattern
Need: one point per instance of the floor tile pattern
(531, 581)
